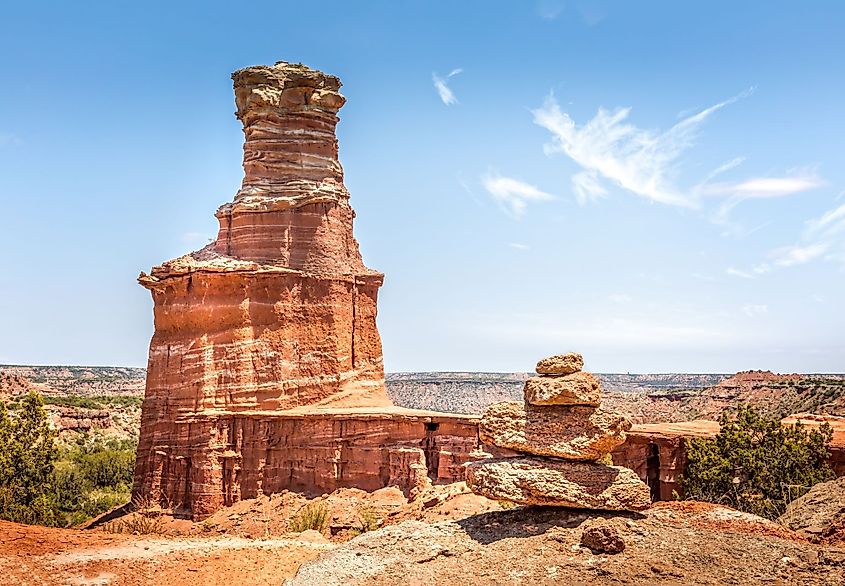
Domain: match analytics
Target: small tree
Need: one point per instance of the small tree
(755, 464)
(27, 454)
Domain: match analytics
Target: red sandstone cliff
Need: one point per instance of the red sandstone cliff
(280, 311)
(266, 339)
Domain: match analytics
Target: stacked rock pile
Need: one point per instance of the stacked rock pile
(559, 433)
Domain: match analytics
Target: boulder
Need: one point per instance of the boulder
(819, 515)
(561, 364)
(578, 388)
(573, 433)
(603, 537)
(558, 483)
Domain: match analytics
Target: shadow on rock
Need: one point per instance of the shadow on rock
(530, 521)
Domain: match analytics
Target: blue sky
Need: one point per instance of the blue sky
(658, 185)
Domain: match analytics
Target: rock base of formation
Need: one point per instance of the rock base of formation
(216, 460)
(559, 441)
(546, 481)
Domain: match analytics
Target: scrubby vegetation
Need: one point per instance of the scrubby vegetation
(27, 455)
(755, 464)
(46, 484)
(103, 402)
(314, 516)
(144, 518)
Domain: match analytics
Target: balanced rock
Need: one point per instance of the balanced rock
(578, 388)
(559, 483)
(572, 433)
(561, 364)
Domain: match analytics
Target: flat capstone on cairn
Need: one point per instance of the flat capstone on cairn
(560, 434)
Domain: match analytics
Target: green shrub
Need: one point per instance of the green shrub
(755, 464)
(368, 521)
(312, 516)
(27, 454)
(108, 468)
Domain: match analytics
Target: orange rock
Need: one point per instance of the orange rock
(265, 369)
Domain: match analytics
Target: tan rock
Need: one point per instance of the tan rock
(561, 364)
(573, 433)
(312, 536)
(551, 482)
(602, 536)
(578, 388)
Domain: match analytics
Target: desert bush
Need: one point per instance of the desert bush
(144, 518)
(312, 516)
(27, 454)
(755, 464)
(367, 519)
(108, 468)
(99, 402)
(42, 484)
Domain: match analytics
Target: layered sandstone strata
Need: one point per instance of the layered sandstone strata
(263, 337)
(563, 433)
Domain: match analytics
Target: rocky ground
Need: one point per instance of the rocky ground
(673, 543)
(43, 556)
(448, 541)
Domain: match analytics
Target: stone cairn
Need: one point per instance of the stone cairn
(560, 433)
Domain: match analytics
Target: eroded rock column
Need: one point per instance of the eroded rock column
(280, 311)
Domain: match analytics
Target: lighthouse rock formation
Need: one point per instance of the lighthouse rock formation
(265, 369)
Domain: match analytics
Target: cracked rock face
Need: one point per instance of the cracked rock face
(560, 483)
(561, 364)
(573, 433)
(579, 388)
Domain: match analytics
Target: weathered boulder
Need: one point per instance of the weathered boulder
(559, 483)
(602, 537)
(819, 515)
(561, 364)
(578, 388)
(573, 433)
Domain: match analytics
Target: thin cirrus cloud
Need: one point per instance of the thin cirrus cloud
(754, 309)
(611, 150)
(823, 238)
(447, 96)
(512, 194)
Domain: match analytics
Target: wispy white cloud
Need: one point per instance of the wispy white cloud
(823, 238)
(619, 298)
(610, 149)
(447, 96)
(549, 9)
(519, 246)
(511, 194)
(797, 181)
(755, 309)
(740, 273)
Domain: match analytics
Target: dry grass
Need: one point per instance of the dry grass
(312, 516)
(145, 518)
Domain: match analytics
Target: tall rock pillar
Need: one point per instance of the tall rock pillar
(279, 312)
